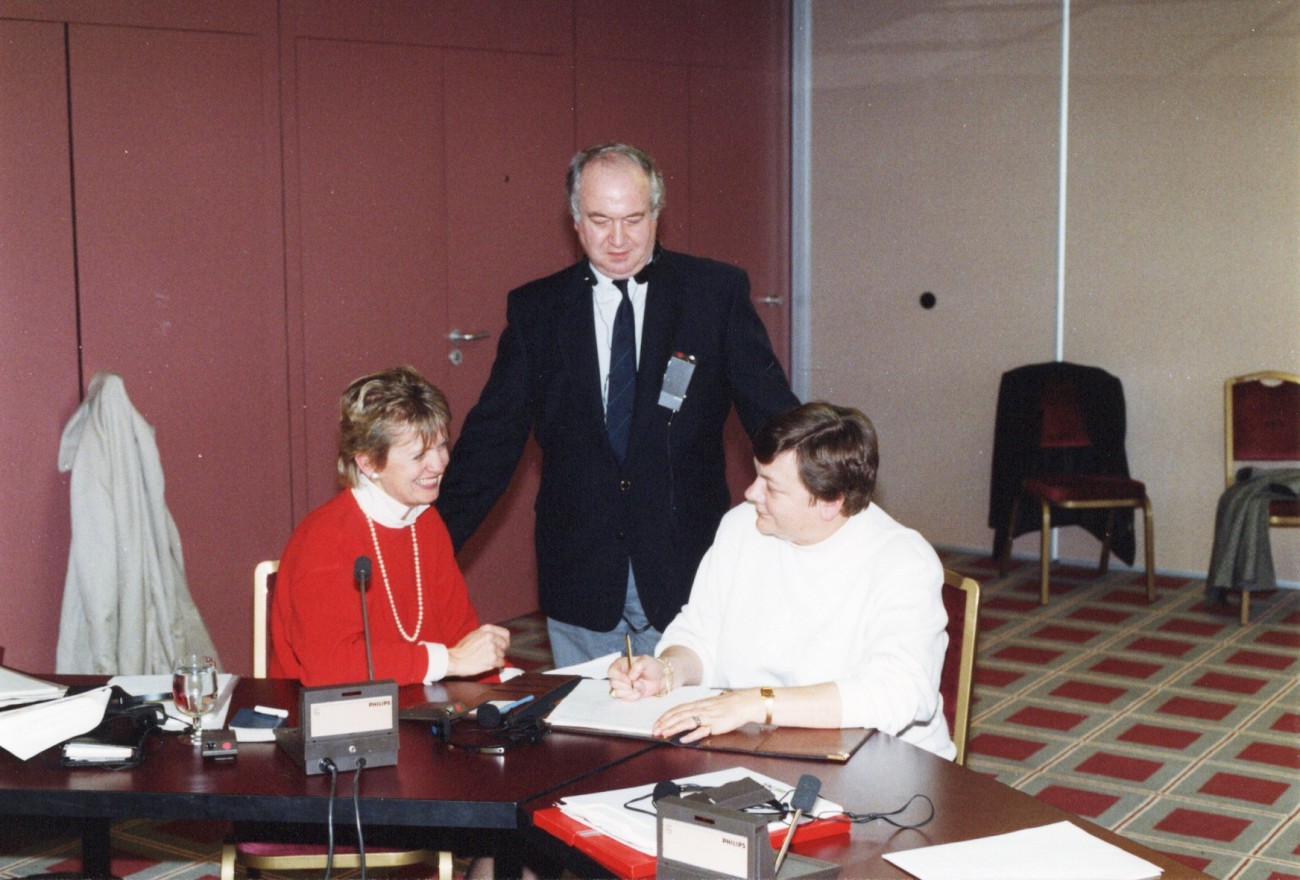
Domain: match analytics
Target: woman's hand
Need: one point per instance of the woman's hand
(722, 713)
(644, 679)
(481, 650)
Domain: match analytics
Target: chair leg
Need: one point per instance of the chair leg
(1149, 540)
(1045, 553)
(1004, 552)
(1245, 607)
(446, 870)
(1103, 564)
(228, 862)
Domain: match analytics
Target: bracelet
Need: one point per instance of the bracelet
(769, 698)
(668, 675)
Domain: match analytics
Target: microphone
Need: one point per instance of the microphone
(805, 795)
(532, 712)
(492, 716)
(361, 574)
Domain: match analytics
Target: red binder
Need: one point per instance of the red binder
(632, 864)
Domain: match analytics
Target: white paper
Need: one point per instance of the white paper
(33, 729)
(254, 734)
(88, 751)
(155, 685)
(598, 668)
(606, 812)
(590, 707)
(17, 688)
(1062, 851)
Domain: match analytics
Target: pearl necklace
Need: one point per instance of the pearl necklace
(419, 584)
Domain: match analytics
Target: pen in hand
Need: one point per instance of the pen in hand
(627, 637)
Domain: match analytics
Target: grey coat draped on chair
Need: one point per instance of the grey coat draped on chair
(1242, 557)
(126, 606)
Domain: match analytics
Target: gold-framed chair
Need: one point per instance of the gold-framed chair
(1059, 444)
(961, 599)
(257, 856)
(263, 586)
(1261, 425)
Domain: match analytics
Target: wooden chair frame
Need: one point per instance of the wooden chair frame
(966, 658)
(261, 580)
(442, 860)
(1229, 461)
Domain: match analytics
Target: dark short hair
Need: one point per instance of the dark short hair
(376, 409)
(613, 153)
(835, 447)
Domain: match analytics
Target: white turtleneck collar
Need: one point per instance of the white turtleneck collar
(382, 507)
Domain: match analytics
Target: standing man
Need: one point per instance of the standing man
(624, 366)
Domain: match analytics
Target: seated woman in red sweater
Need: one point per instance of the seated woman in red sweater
(392, 453)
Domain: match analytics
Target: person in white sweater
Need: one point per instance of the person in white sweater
(813, 607)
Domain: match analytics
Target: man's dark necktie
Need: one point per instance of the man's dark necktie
(622, 375)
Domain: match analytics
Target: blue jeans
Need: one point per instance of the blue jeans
(571, 644)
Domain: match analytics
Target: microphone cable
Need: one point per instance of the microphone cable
(356, 812)
(863, 818)
(332, 769)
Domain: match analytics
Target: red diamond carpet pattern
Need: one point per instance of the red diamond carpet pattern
(1171, 723)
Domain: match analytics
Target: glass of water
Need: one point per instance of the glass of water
(194, 689)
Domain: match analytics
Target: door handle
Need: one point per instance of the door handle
(457, 336)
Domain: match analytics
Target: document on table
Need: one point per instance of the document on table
(29, 730)
(16, 688)
(590, 707)
(598, 668)
(1062, 851)
(608, 813)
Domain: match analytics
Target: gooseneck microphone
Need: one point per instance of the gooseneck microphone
(805, 795)
(361, 570)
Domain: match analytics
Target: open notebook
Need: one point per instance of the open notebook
(590, 709)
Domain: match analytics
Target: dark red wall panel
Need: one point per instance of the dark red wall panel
(38, 322)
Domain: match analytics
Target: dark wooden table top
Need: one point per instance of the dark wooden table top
(880, 778)
(431, 785)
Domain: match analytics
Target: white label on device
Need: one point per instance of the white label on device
(707, 848)
(344, 717)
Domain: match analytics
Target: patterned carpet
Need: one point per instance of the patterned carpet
(1169, 723)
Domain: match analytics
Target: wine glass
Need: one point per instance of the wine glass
(194, 689)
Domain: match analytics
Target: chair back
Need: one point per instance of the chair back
(1261, 413)
(961, 599)
(1063, 425)
(263, 591)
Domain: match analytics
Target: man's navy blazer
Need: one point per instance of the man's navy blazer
(661, 506)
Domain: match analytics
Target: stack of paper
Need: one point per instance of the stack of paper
(30, 730)
(16, 689)
(628, 814)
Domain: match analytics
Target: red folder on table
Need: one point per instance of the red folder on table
(629, 863)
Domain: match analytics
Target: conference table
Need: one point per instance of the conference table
(431, 786)
(436, 786)
(880, 778)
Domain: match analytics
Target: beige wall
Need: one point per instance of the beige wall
(935, 132)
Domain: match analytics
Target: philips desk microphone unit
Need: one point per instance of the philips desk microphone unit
(349, 725)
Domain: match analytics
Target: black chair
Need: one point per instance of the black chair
(1059, 445)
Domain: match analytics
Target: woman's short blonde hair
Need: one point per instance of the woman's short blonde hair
(376, 409)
